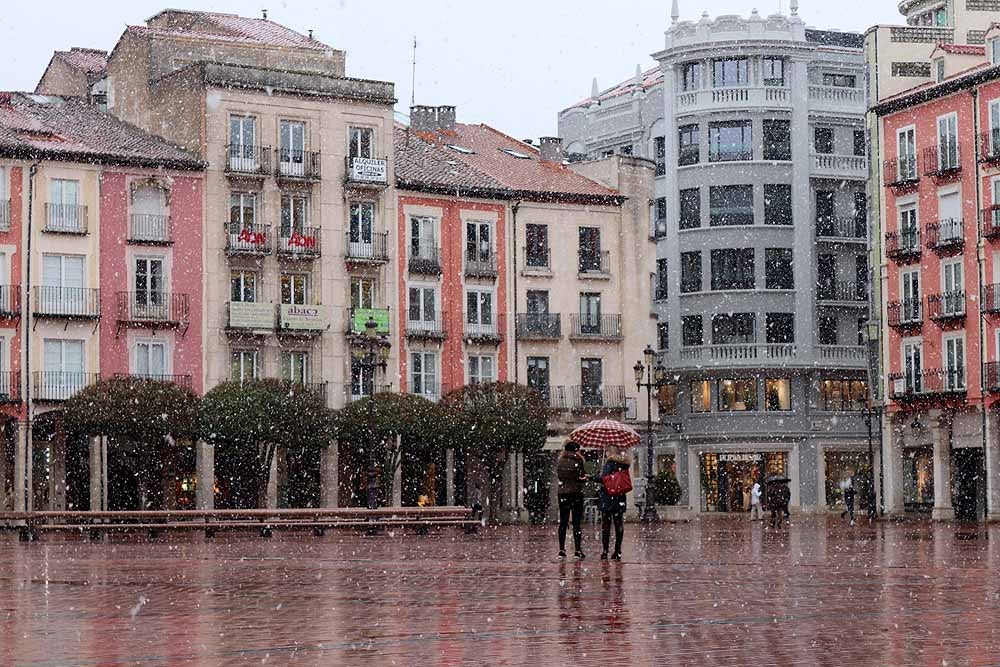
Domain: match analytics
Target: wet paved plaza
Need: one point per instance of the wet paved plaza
(712, 592)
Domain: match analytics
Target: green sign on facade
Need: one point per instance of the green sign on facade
(361, 315)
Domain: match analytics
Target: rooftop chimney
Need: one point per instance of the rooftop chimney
(263, 14)
(551, 149)
(431, 119)
(446, 117)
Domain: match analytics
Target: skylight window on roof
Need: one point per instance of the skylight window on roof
(460, 149)
(517, 154)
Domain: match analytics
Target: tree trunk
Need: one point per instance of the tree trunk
(264, 473)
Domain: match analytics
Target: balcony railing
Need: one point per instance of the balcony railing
(153, 308)
(428, 329)
(483, 332)
(993, 376)
(836, 355)
(65, 219)
(364, 390)
(945, 235)
(248, 160)
(294, 163)
(842, 290)
(598, 263)
(374, 249)
(4, 215)
(367, 171)
(545, 326)
(185, 381)
(482, 264)
(10, 387)
(604, 326)
(598, 397)
(537, 260)
(425, 259)
(853, 229)
(989, 145)
(849, 166)
(991, 304)
(302, 243)
(60, 385)
(928, 383)
(905, 313)
(739, 354)
(733, 98)
(10, 300)
(900, 172)
(149, 228)
(990, 219)
(942, 160)
(902, 246)
(244, 239)
(946, 306)
(70, 302)
(837, 97)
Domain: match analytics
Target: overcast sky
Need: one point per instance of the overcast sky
(512, 64)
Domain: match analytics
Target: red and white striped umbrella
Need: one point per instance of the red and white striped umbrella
(600, 433)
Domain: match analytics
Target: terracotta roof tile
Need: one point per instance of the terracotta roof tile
(92, 61)
(650, 78)
(479, 157)
(234, 28)
(69, 128)
(963, 49)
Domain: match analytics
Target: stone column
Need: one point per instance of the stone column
(272, 482)
(942, 473)
(329, 475)
(22, 472)
(992, 454)
(205, 473)
(795, 474)
(892, 467)
(57, 472)
(98, 473)
(694, 480)
(449, 476)
(397, 479)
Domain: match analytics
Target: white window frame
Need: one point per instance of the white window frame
(243, 156)
(994, 136)
(477, 376)
(422, 322)
(432, 392)
(910, 289)
(294, 276)
(367, 290)
(939, 70)
(948, 156)
(474, 320)
(291, 158)
(153, 302)
(361, 229)
(243, 273)
(288, 356)
(354, 133)
(913, 382)
(424, 246)
(993, 49)
(243, 353)
(68, 382)
(909, 225)
(149, 343)
(910, 156)
(489, 249)
(954, 378)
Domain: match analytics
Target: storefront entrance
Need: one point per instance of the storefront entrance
(969, 487)
(843, 468)
(918, 478)
(727, 478)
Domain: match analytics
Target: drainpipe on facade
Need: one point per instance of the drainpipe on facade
(25, 341)
(513, 226)
(980, 256)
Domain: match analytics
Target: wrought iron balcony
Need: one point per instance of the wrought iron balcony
(10, 300)
(67, 302)
(989, 145)
(302, 243)
(244, 160)
(149, 228)
(153, 308)
(55, 386)
(992, 376)
(843, 291)
(425, 259)
(945, 235)
(990, 220)
(428, 329)
(598, 397)
(904, 247)
(905, 313)
(482, 263)
(900, 172)
(65, 219)
(991, 304)
(946, 306)
(538, 326)
(298, 164)
(594, 263)
(851, 229)
(491, 332)
(362, 390)
(599, 327)
(942, 160)
(927, 383)
(10, 387)
(244, 239)
(374, 250)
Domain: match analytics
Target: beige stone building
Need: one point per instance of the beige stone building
(299, 161)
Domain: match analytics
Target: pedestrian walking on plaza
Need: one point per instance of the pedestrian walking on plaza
(571, 477)
(778, 497)
(849, 499)
(755, 509)
(614, 482)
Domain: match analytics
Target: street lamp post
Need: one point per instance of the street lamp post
(872, 333)
(655, 377)
(374, 358)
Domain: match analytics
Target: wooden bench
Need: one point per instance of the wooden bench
(30, 524)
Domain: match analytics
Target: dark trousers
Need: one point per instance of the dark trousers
(607, 518)
(849, 510)
(571, 504)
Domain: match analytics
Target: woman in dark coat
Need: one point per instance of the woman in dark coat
(612, 507)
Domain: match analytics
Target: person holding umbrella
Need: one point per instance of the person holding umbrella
(614, 481)
(778, 497)
(571, 476)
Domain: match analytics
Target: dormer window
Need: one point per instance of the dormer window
(995, 51)
(939, 70)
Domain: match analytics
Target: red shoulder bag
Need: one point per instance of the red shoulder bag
(618, 483)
